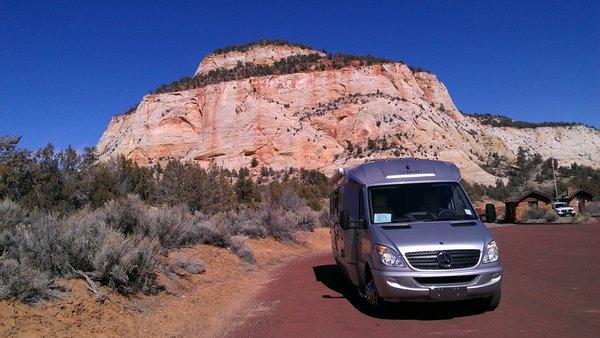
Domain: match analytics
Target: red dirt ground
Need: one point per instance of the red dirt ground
(551, 288)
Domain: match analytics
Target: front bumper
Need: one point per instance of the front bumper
(397, 286)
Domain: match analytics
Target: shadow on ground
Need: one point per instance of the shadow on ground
(332, 277)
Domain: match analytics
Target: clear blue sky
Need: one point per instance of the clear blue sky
(67, 66)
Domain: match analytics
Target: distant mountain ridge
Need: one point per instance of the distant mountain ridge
(288, 105)
(504, 121)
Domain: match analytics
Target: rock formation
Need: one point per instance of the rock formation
(325, 119)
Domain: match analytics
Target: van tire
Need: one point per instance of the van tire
(369, 293)
(491, 303)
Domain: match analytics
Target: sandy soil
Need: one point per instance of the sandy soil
(191, 305)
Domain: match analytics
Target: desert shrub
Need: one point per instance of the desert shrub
(278, 224)
(539, 214)
(324, 218)
(238, 245)
(41, 245)
(125, 214)
(534, 213)
(23, 283)
(252, 229)
(81, 242)
(109, 256)
(306, 219)
(583, 219)
(551, 216)
(127, 264)
(243, 221)
(190, 265)
(290, 201)
(10, 214)
(174, 227)
(212, 232)
(592, 208)
(247, 223)
(84, 232)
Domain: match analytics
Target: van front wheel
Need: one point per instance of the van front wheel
(492, 303)
(370, 294)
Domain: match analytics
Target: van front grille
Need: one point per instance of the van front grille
(428, 260)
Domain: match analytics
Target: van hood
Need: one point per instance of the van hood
(564, 209)
(442, 235)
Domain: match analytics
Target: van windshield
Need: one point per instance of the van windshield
(419, 202)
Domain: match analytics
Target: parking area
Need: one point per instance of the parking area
(551, 287)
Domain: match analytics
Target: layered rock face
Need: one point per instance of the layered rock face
(324, 120)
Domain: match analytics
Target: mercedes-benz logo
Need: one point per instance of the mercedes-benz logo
(444, 259)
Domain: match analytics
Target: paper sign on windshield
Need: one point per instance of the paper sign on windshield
(383, 218)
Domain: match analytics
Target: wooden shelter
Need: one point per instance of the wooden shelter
(528, 199)
(577, 198)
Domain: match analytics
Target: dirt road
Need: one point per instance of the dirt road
(551, 288)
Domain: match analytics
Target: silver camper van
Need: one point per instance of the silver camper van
(404, 229)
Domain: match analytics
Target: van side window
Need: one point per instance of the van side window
(334, 202)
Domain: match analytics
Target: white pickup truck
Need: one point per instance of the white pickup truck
(563, 209)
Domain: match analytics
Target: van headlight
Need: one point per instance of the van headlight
(388, 256)
(491, 253)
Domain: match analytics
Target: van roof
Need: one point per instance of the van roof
(398, 171)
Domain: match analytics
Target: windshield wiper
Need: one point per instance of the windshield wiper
(400, 220)
(455, 218)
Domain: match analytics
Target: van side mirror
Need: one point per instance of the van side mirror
(344, 219)
(490, 213)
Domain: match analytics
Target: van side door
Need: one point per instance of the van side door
(350, 242)
(335, 230)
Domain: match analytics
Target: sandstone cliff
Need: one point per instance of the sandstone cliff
(258, 54)
(325, 119)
